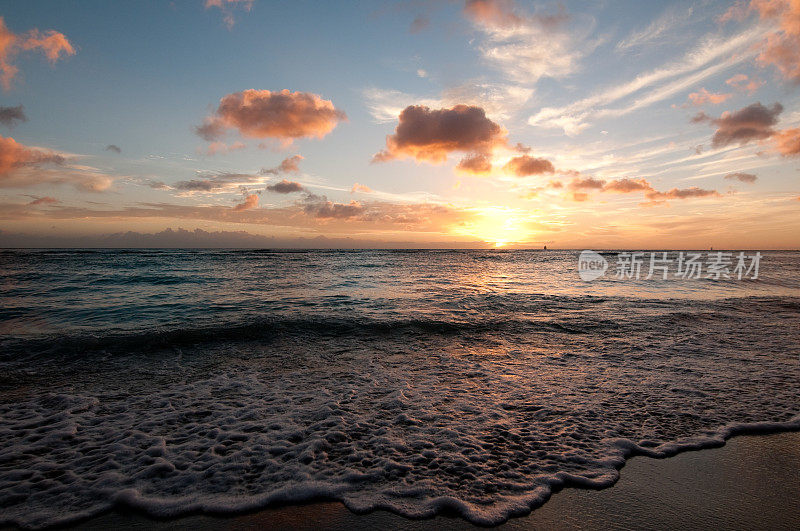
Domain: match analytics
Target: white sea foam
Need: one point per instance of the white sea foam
(482, 432)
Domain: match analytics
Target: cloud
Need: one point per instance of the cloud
(587, 183)
(199, 185)
(664, 27)
(285, 187)
(787, 142)
(14, 155)
(44, 201)
(580, 196)
(310, 212)
(51, 43)
(283, 115)
(754, 122)
(23, 167)
(419, 23)
(476, 164)
(216, 148)
(500, 101)
(227, 7)
(156, 185)
(742, 177)
(781, 46)
(250, 201)
(114, 148)
(362, 188)
(430, 135)
(703, 97)
(677, 193)
(224, 181)
(287, 165)
(579, 186)
(525, 165)
(709, 57)
(743, 83)
(493, 13)
(321, 208)
(198, 238)
(10, 116)
(627, 185)
(525, 47)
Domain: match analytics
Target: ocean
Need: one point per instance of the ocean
(422, 382)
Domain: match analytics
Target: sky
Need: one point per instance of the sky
(484, 123)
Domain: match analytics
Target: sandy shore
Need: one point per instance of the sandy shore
(751, 482)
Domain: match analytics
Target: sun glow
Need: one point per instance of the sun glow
(500, 226)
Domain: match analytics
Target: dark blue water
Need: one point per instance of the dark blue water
(417, 381)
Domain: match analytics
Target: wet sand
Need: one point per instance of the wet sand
(751, 482)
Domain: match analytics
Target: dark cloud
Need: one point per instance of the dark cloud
(199, 185)
(283, 115)
(627, 185)
(477, 164)
(157, 185)
(114, 148)
(754, 122)
(210, 183)
(288, 165)
(430, 135)
(677, 193)
(285, 187)
(321, 208)
(741, 176)
(10, 116)
(578, 187)
(525, 165)
(587, 183)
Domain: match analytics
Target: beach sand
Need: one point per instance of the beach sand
(751, 482)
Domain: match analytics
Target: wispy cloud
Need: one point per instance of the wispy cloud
(712, 56)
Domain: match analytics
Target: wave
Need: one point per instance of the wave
(411, 501)
(517, 314)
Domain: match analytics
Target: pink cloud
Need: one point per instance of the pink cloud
(787, 142)
(250, 201)
(44, 201)
(283, 115)
(525, 165)
(745, 84)
(781, 46)
(51, 43)
(703, 97)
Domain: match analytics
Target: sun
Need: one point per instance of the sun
(498, 226)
